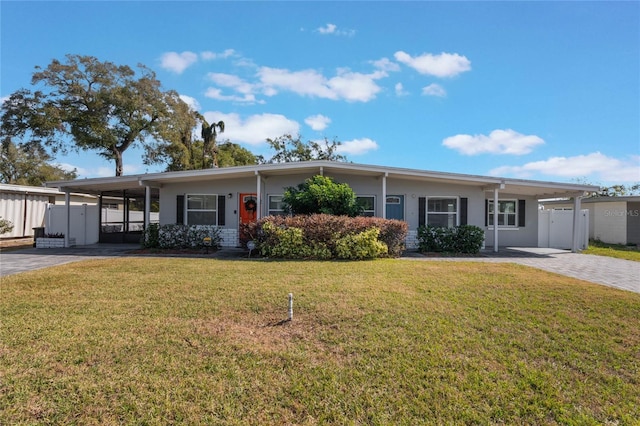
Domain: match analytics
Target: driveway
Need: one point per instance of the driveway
(609, 271)
(618, 273)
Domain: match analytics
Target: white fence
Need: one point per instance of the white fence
(555, 229)
(85, 221)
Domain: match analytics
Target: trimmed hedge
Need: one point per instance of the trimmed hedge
(322, 236)
(180, 236)
(465, 239)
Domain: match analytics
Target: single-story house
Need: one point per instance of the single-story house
(613, 220)
(230, 196)
(26, 206)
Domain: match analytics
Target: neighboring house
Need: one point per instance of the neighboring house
(25, 206)
(226, 197)
(613, 220)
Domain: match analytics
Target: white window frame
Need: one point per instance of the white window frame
(372, 213)
(187, 209)
(275, 212)
(443, 197)
(503, 215)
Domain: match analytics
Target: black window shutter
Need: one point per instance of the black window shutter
(521, 213)
(221, 203)
(463, 211)
(180, 209)
(422, 210)
(486, 212)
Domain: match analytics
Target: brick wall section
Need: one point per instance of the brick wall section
(53, 242)
(229, 237)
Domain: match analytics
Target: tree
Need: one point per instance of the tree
(619, 190)
(100, 106)
(321, 194)
(288, 149)
(209, 147)
(29, 164)
(231, 154)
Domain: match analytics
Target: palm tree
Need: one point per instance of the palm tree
(209, 146)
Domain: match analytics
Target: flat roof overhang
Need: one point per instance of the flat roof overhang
(135, 184)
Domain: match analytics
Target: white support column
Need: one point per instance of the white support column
(577, 204)
(384, 195)
(495, 220)
(67, 230)
(258, 196)
(147, 206)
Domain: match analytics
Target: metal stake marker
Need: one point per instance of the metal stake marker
(290, 306)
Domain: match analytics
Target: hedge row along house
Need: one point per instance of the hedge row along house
(227, 197)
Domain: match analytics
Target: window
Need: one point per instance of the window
(368, 205)
(507, 213)
(442, 212)
(276, 207)
(201, 209)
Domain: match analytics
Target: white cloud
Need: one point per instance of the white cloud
(442, 65)
(498, 142)
(215, 93)
(332, 29)
(385, 64)
(434, 90)
(209, 56)
(192, 102)
(347, 85)
(177, 62)
(255, 129)
(317, 122)
(400, 90)
(595, 165)
(357, 146)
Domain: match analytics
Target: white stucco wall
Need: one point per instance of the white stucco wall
(610, 222)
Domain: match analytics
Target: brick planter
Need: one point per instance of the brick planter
(53, 242)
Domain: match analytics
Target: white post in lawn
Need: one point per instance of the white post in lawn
(576, 224)
(290, 306)
(495, 219)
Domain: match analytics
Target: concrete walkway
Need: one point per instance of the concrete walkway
(618, 273)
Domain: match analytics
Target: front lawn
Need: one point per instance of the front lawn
(201, 341)
(613, 250)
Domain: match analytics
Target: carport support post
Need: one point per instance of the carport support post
(576, 224)
(495, 219)
(384, 195)
(67, 203)
(147, 208)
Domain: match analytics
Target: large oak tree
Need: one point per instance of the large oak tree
(91, 105)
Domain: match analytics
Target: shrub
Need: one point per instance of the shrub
(364, 245)
(317, 236)
(180, 236)
(5, 226)
(465, 239)
(321, 194)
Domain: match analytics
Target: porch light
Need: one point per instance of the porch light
(230, 195)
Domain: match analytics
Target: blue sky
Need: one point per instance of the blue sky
(535, 90)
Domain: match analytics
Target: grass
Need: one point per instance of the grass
(201, 341)
(613, 250)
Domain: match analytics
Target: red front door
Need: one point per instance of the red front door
(248, 208)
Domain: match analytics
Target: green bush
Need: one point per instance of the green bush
(176, 236)
(320, 194)
(364, 245)
(465, 239)
(318, 235)
(5, 226)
